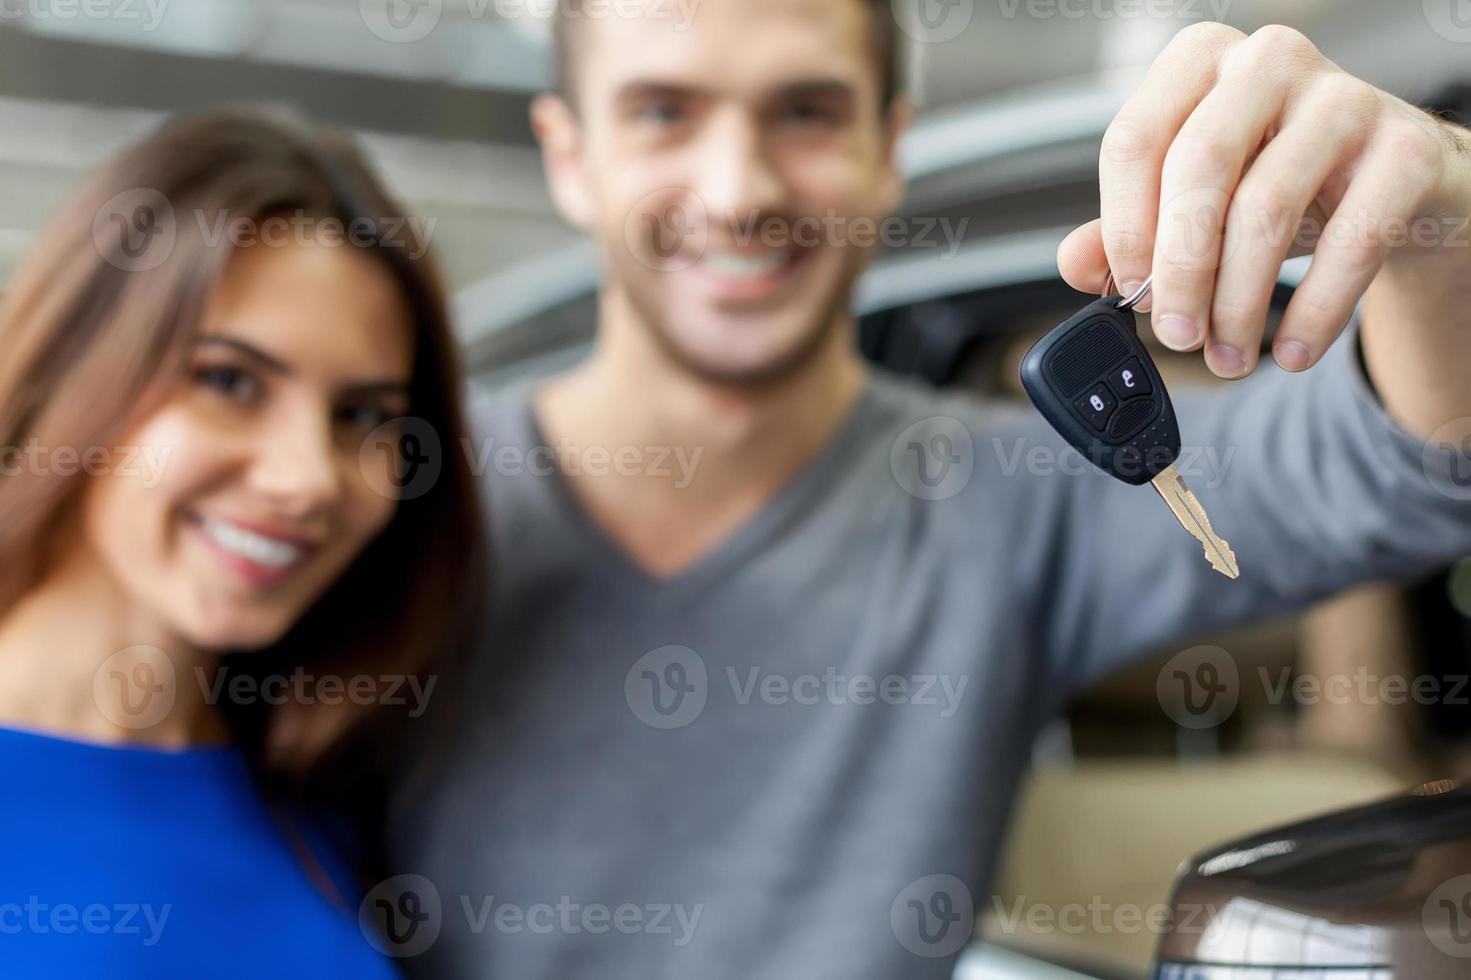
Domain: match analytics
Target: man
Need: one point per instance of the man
(764, 716)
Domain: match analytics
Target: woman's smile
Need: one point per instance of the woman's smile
(263, 556)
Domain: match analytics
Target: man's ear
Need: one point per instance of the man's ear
(898, 119)
(560, 134)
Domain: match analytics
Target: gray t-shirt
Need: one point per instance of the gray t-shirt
(797, 759)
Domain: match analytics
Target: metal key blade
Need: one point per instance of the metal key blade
(1192, 517)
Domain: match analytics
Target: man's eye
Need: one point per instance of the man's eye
(234, 384)
(810, 114)
(662, 113)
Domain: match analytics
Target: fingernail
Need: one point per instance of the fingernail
(1177, 332)
(1293, 356)
(1226, 361)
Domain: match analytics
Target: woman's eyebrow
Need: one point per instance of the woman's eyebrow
(385, 387)
(249, 350)
(371, 386)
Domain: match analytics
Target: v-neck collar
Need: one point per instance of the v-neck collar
(812, 479)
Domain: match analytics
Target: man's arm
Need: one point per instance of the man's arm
(1417, 342)
(1238, 152)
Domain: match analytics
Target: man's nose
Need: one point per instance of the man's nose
(737, 179)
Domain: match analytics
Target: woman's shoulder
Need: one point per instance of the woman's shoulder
(170, 855)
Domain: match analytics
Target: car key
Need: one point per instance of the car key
(1093, 380)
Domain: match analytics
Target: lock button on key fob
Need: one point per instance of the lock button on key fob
(1097, 407)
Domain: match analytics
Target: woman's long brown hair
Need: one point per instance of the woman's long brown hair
(92, 329)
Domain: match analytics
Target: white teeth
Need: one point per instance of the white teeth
(737, 266)
(249, 545)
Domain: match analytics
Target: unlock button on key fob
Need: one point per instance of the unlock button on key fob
(1097, 407)
(1129, 379)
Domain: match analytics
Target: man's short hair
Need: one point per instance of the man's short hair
(887, 50)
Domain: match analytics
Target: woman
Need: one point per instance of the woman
(239, 544)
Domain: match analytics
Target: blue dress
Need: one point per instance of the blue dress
(140, 864)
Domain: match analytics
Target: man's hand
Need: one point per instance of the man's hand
(1238, 152)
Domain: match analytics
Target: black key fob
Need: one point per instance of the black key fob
(1095, 383)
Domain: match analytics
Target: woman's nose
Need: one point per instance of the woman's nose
(296, 465)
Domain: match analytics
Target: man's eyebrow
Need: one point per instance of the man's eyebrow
(832, 88)
(641, 89)
(249, 350)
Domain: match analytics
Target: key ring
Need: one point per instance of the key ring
(1132, 301)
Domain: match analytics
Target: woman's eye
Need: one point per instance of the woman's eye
(233, 383)
(365, 417)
